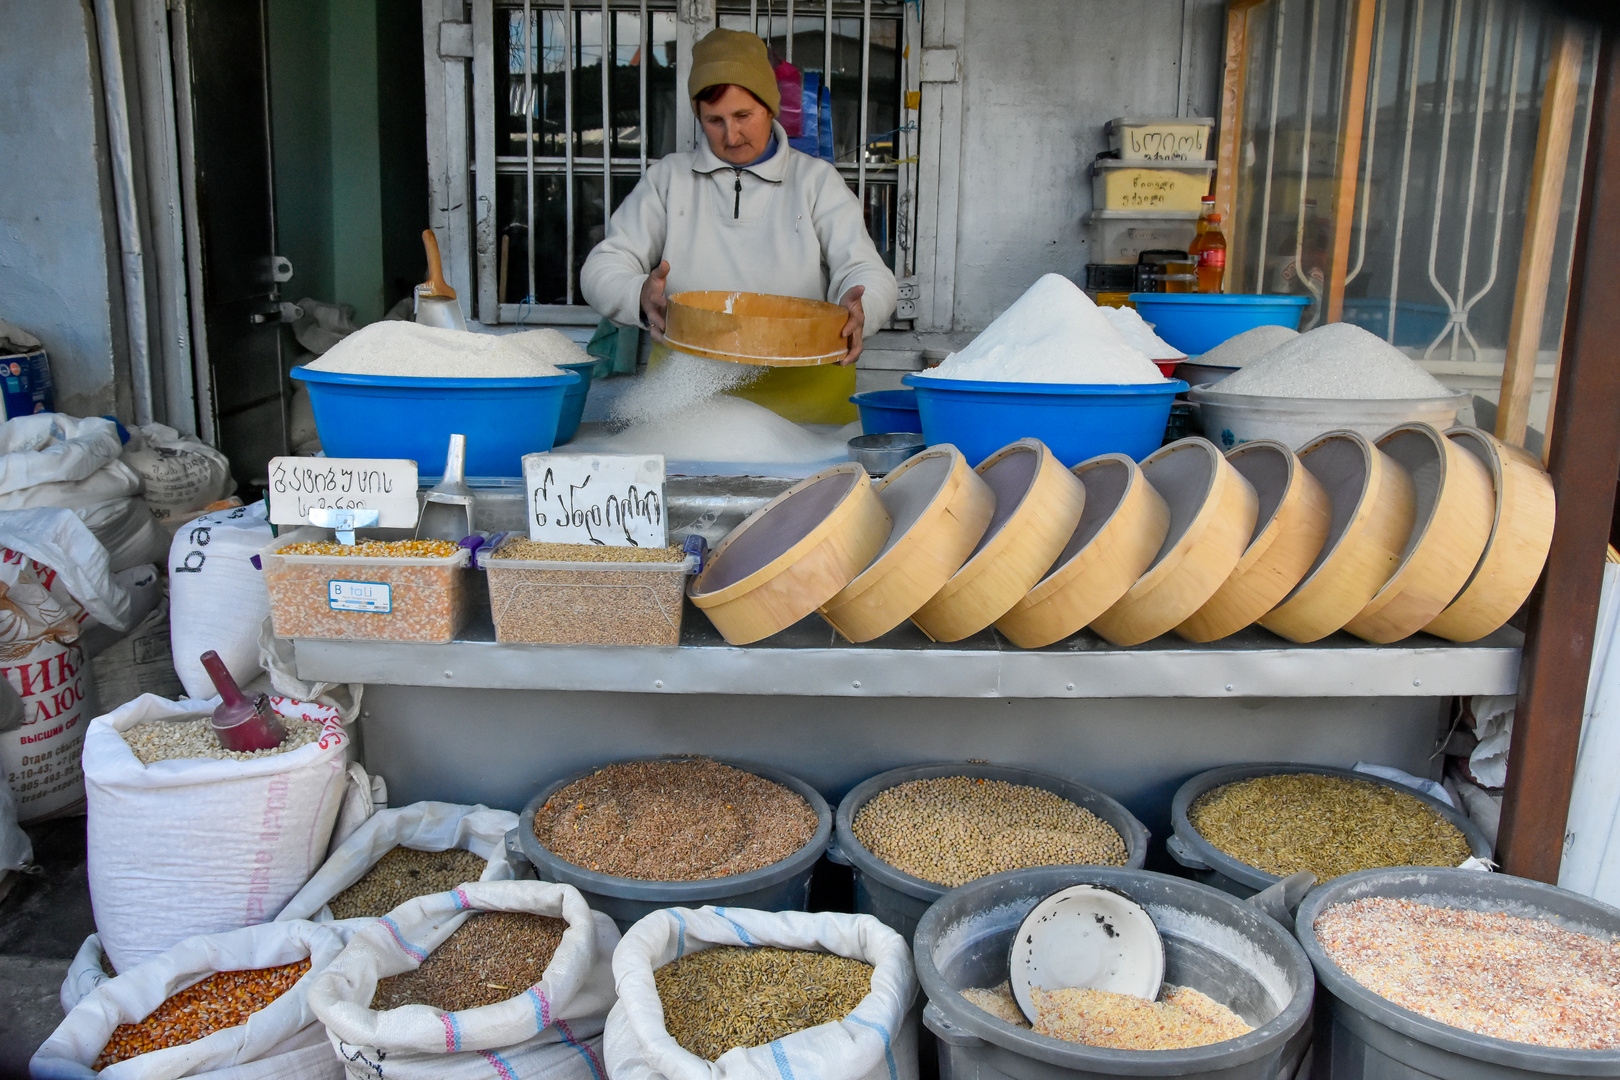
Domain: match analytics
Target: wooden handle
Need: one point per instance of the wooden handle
(435, 284)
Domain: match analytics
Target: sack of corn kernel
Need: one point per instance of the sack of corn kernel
(423, 826)
(521, 1014)
(279, 1038)
(217, 597)
(199, 845)
(877, 1041)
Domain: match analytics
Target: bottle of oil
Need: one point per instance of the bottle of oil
(1208, 249)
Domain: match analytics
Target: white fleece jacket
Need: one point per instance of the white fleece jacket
(789, 226)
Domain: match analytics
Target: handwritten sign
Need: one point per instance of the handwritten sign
(386, 485)
(616, 500)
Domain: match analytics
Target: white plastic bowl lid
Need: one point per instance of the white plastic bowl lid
(1086, 937)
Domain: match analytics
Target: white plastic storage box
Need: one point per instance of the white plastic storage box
(541, 602)
(1150, 186)
(1170, 138)
(365, 598)
(1119, 236)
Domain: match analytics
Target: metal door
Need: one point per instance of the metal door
(242, 387)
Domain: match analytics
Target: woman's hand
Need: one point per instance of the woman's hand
(653, 303)
(857, 321)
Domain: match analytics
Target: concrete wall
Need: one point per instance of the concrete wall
(58, 228)
(1039, 79)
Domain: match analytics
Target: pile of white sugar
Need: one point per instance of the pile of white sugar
(409, 350)
(1051, 334)
(1339, 360)
(1139, 333)
(724, 430)
(1239, 351)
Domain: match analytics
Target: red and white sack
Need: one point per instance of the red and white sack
(878, 1041)
(282, 1041)
(551, 1031)
(39, 623)
(423, 826)
(199, 845)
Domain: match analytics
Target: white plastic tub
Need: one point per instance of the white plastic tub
(1229, 420)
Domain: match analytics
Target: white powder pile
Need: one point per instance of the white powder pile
(677, 384)
(408, 350)
(722, 429)
(1138, 332)
(1236, 352)
(1051, 334)
(1339, 360)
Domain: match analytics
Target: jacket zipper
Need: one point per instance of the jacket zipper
(736, 205)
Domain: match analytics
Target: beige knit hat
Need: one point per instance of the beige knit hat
(735, 57)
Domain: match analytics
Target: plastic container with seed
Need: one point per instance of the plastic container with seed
(602, 600)
(364, 597)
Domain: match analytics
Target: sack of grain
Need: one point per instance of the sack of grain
(878, 1041)
(217, 597)
(137, 663)
(127, 529)
(180, 472)
(423, 826)
(550, 1029)
(280, 1040)
(201, 845)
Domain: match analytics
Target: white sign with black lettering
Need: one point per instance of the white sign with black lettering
(612, 499)
(386, 485)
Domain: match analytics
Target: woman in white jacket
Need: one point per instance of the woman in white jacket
(745, 211)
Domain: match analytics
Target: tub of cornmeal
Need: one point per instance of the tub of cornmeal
(586, 594)
(374, 590)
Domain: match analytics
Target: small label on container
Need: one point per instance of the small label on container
(373, 596)
(616, 500)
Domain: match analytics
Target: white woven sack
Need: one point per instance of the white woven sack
(875, 1042)
(198, 845)
(84, 974)
(424, 826)
(552, 1030)
(217, 597)
(275, 1042)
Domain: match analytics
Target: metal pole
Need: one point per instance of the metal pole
(789, 31)
(826, 55)
(753, 17)
(528, 130)
(568, 133)
(1406, 166)
(866, 75)
(608, 59)
(1271, 144)
(646, 58)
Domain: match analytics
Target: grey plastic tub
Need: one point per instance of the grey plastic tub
(1361, 1036)
(897, 898)
(1213, 942)
(1214, 867)
(782, 886)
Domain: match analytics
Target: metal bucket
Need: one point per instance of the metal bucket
(782, 886)
(897, 898)
(1361, 1036)
(1213, 866)
(1214, 943)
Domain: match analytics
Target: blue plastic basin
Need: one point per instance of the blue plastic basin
(885, 411)
(390, 416)
(573, 406)
(1077, 422)
(1197, 322)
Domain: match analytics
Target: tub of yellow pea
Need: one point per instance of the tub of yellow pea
(1242, 828)
(373, 590)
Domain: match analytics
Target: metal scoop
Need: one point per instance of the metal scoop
(436, 303)
(447, 510)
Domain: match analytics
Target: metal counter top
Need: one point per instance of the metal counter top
(809, 660)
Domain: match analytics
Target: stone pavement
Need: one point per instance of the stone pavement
(43, 921)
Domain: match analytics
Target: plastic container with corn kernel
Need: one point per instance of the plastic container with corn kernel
(367, 597)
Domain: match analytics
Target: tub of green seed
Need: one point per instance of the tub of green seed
(1244, 827)
(914, 833)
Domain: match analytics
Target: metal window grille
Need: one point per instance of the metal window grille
(1454, 96)
(580, 97)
